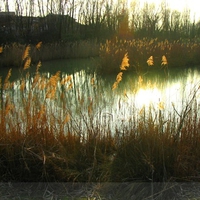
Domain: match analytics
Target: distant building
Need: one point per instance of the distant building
(29, 28)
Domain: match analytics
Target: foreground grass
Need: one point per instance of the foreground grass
(142, 154)
(46, 134)
(64, 129)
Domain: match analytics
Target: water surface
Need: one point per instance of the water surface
(83, 100)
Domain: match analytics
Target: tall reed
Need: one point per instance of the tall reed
(180, 53)
(69, 127)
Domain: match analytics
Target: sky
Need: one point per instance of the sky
(180, 5)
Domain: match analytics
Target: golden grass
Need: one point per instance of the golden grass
(14, 55)
(53, 129)
(179, 53)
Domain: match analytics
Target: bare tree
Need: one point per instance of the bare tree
(186, 22)
(175, 23)
(165, 17)
(6, 6)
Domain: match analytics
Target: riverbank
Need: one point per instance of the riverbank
(11, 55)
(145, 54)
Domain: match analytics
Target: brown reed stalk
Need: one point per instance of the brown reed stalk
(7, 84)
(38, 66)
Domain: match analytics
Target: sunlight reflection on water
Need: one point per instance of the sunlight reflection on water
(176, 92)
(90, 104)
(169, 98)
(145, 97)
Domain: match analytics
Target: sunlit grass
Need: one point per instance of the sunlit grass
(178, 53)
(77, 127)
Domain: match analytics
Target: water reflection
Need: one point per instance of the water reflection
(169, 100)
(169, 94)
(146, 97)
(88, 102)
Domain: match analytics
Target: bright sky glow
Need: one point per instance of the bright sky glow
(179, 5)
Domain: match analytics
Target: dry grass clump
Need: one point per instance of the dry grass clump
(70, 128)
(150, 148)
(180, 53)
(151, 155)
(42, 135)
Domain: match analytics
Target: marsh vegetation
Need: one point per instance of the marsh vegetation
(126, 111)
(82, 127)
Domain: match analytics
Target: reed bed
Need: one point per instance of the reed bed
(74, 127)
(11, 55)
(180, 53)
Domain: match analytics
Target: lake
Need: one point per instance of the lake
(78, 100)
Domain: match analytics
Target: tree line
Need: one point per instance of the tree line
(61, 20)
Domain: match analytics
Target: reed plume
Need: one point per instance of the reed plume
(164, 60)
(27, 63)
(118, 79)
(52, 85)
(26, 52)
(124, 65)
(150, 61)
(38, 45)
